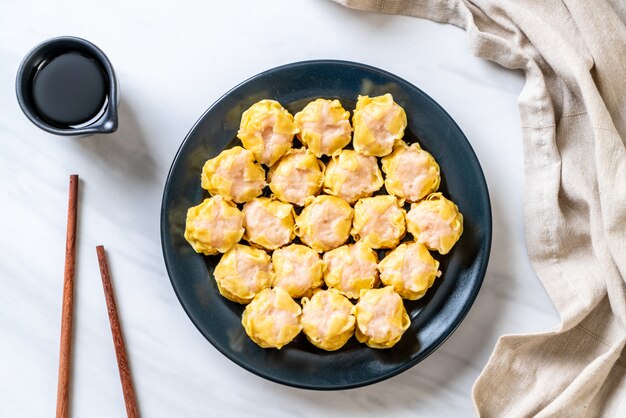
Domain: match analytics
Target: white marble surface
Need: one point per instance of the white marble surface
(173, 60)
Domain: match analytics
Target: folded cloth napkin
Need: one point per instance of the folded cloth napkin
(573, 111)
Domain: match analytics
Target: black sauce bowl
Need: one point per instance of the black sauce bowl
(107, 120)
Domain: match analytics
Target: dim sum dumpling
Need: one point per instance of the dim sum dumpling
(298, 175)
(378, 221)
(298, 269)
(378, 123)
(268, 222)
(272, 319)
(327, 320)
(350, 269)
(267, 129)
(381, 318)
(325, 126)
(351, 176)
(242, 273)
(409, 269)
(213, 226)
(435, 222)
(324, 223)
(412, 173)
(234, 175)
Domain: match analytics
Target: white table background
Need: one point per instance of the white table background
(174, 59)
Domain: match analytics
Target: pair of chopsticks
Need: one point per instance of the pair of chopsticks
(67, 316)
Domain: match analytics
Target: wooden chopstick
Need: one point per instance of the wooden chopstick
(65, 352)
(118, 339)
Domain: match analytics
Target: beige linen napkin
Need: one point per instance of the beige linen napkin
(573, 110)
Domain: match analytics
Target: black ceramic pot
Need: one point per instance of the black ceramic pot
(106, 120)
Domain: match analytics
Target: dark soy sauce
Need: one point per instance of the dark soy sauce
(70, 90)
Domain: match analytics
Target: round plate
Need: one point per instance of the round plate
(433, 318)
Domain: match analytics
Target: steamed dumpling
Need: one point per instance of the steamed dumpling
(298, 269)
(324, 223)
(412, 173)
(409, 269)
(268, 222)
(234, 175)
(351, 176)
(215, 225)
(267, 129)
(327, 320)
(435, 222)
(378, 221)
(272, 319)
(242, 273)
(381, 318)
(325, 126)
(298, 175)
(378, 123)
(350, 269)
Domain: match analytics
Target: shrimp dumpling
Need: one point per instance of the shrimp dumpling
(378, 221)
(378, 123)
(298, 269)
(350, 269)
(269, 223)
(409, 269)
(412, 173)
(327, 320)
(325, 126)
(242, 273)
(324, 223)
(351, 176)
(272, 319)
(234, 175)
(435, 222)
(298, 175)
(267, 129)
(214, 226)
(381, 318)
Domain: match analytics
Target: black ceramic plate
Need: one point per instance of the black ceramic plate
(433, 318)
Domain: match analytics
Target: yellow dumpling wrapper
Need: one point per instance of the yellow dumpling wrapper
(215, 225)
(324, 223)
(409, 269)
(378, 123)
(351, 176)
(327, 320)
(272, 319)
(298, 175)
(242, 273)
(297, 269)
(411, 172)
(381, 318)
(435, 222)
(234, 175)
(325, 126)
(269, 223)
(350, 269)
(267, 129)
(378, 222)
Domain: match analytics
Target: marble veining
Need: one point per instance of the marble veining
(173, 60)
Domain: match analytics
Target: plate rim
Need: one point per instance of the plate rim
(484, 262)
